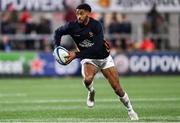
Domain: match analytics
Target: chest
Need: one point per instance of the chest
(80, 33)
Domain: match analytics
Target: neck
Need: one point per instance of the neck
(86, 21)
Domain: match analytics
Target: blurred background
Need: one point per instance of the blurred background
(144, 35)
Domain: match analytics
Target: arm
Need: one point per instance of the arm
(98, 40)
(59, 32)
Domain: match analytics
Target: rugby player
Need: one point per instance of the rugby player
(94, 53)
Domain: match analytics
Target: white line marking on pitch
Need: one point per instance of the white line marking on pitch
(13, 95)
(82, 100)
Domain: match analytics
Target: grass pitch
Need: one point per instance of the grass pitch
(155, 99)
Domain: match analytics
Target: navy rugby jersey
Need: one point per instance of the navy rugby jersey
(88, 38)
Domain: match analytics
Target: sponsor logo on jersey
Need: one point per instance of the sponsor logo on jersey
(86, 43)
(91, 34)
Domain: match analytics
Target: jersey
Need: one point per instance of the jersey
(89, 39)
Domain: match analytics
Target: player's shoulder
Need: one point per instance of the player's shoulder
(94, 21)
(72, 24)
(95, 25)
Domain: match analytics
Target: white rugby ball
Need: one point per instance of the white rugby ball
(60, 53)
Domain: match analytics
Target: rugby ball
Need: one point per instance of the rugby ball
(60, 53)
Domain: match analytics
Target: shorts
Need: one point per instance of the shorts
(99, 63)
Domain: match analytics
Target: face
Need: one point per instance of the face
(81, 15)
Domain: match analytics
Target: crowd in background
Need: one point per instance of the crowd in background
(156, 24)
(118, 31)
(23, 23)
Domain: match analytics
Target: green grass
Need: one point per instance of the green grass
(155, 99)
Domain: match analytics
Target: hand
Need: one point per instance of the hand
(70, 57)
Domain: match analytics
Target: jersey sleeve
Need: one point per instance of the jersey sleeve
(98, 40)
(59, 32)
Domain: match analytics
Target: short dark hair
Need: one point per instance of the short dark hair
(84, 6)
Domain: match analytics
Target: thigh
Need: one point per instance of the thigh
(88, 71)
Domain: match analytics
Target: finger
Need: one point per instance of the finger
(68, 61)
(66, 56)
